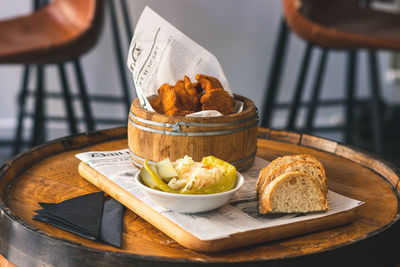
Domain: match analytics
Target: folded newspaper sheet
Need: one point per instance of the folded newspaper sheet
(159, 53)
(240, 215)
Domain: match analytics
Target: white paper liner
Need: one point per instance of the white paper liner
(159, 53)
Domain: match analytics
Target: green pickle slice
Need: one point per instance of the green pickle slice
(146, 177)
(165, 170)
(159, 183)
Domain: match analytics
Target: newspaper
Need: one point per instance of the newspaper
(239, 215)
(159, 53)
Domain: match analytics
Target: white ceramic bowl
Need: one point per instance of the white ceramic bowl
(190, 203)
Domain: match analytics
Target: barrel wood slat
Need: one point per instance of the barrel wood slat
(232, 138)
(49, 173)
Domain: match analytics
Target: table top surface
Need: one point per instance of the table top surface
(49, 174)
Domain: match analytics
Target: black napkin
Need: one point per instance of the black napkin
(88, 216)
(112, 223)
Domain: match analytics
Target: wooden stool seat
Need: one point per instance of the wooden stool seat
(342, 24)
(60, 31)
(326, 25)
(56, 33)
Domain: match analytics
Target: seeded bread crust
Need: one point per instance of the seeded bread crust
(293, 183)
(282, 161)
(304, 166)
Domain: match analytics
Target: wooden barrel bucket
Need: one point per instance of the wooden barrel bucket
(232, 138)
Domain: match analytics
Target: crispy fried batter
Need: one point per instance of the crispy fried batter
(187, 97)
(176, 112)
(199, 90)
(217, 99)
(208, 82)
(167, 101)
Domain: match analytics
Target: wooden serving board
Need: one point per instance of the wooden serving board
(49, 173)
(190, 241)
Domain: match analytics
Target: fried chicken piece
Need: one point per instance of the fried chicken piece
(218, 99)
(208, 82)
(198, 88)
(187, 95)
(167, 101)
(178, 100)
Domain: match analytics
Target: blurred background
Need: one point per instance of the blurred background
(241, 34)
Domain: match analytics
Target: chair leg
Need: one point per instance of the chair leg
(38, 122)
(376, 104)
(351, 73)
(21, 111)
(316, 91)
(275, 73)
(84, 96)
(126, 17)
(120, 58)
(67, 99)
(299, 88)
(37, 4)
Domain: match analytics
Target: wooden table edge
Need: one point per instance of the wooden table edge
(74, 142)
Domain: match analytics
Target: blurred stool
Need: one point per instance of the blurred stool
(59, 32)
(118, 46)
(339, 25)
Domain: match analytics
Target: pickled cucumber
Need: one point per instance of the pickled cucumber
(159, 183)
(146, 177)
(165, 170)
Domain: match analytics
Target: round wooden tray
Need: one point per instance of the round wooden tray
(48, 173)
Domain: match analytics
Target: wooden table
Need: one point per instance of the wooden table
(48, 173)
